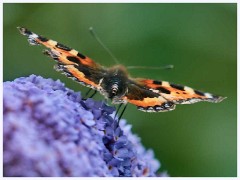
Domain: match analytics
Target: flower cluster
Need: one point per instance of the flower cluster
(49, 130)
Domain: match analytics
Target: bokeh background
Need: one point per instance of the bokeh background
(200, 40)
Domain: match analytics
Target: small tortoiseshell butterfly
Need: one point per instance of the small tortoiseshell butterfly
(115, 83)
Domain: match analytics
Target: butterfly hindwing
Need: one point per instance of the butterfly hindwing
(147, 100)
(72, 63)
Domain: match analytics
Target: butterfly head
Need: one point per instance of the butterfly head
(114, 85)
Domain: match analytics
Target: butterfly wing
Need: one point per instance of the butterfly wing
(69, 61)
(178, 94)
(159, 96)
(145, 99)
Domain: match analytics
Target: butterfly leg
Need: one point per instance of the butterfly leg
(125, 106)
(93, 94)
(117, 111)
(88, 92)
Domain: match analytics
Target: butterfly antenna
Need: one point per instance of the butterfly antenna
(93, 33)
(170, 66)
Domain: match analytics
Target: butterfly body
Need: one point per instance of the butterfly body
(115, 83)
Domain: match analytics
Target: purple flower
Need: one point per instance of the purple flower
(49, 130)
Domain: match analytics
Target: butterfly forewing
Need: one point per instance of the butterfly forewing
(177, 93)
(70, 62)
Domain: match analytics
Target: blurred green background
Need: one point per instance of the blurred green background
(200, 40)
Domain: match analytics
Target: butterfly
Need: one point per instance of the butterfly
(115, 83)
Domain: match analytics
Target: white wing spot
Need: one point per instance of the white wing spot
(154, 90)
(208, 95)
(189, 90)
(166, 84)
(34, 36)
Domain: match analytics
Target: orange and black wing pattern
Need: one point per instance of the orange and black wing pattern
(148, 95)
(159, 96)
(69, 61)
(147, 100)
